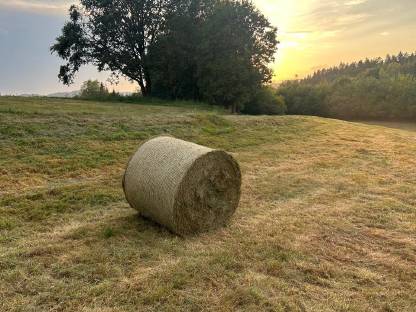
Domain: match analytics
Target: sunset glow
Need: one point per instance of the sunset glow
(313, 34)
(316, 34)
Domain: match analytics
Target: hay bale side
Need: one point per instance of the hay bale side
(186, 187)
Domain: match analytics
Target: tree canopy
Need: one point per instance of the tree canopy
(212, 50)
(218, 53)
(112, 35)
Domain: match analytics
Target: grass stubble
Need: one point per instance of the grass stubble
(327, 218)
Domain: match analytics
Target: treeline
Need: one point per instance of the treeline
(368, 89)
(269, 103)
(213, 51)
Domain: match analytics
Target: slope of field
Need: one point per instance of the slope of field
(327, 219)
(392, 124)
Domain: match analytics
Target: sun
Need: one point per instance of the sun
(281, 13)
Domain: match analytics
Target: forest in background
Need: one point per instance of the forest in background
(380, 89)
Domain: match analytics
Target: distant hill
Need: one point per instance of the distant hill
(65, 94)
(78, 92)
(70, 94)
(29, 95)
(392, 66)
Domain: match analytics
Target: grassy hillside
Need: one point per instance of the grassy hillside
(327, 219)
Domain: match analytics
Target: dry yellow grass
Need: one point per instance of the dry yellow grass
(327, 219)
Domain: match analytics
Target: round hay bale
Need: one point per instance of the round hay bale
(186, 187)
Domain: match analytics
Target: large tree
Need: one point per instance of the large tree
(174, 54)
(113, 35)
(215, 51)
(245, 44)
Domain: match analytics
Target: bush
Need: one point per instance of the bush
(303, 99)
(265, 102)
(93, 89)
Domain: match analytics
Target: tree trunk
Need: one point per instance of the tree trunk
(142, 87)
(145, 90)
(234, 108)
(148, 87)
(148, 82)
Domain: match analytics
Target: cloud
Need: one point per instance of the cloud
(44, 6)
(384, 33)
(299, 35)
(350, 19)
(312, 35)
(289, 44)
(354, 2)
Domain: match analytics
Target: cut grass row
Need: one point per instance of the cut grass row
(326, 221)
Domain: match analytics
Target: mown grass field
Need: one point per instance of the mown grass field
(327, 220)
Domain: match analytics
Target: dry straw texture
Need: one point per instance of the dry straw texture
(186, 187)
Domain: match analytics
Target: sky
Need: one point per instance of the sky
(313, 33)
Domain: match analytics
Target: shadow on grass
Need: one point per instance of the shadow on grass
(408, 126)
